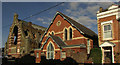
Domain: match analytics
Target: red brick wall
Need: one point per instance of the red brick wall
(60, 31)
(115, 29)
(39, 58)
(60, 28)
(76, 41)
(45, 46)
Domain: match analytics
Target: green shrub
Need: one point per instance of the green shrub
(96, 55)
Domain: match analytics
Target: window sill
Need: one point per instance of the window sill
(107, 38)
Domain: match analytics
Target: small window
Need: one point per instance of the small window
(39, 33)
(34, 36)
(58, 23)
(37, 55)
(107, 31)
(52, 33)
(63, 55)
(18, 50)
(70, 33)
(26, 33)
(88, 46)
(65, 34)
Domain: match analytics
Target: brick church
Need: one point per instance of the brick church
(109, 33)
(23, 38)
(66, 38)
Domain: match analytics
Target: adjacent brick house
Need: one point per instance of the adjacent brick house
(23, 38)
(65, 38)
(109, 33)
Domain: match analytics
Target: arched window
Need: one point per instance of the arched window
(15, 32)
(70, 33)
(50, 52)
(52, 33)
(65, 34)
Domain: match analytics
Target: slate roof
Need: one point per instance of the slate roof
(84, 29)
(61, 43)
(58, 40)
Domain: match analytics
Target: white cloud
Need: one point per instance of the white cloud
(85, 20)
(74, 5)
(45, 23)
(85, 13)
(40, 19)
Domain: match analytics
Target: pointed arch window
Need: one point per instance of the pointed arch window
(50, 51)
(70, 33)
(15, 33)
(52, 33)
(65, 34)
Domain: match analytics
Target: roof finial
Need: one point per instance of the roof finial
(15, 16)
(101, 9)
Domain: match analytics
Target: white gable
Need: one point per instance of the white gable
(105, 44)
(112, 7)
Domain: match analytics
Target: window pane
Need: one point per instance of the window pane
(105, 28)
(52, 49)
(65, 34)
(107, 31)
(70, 33)
(63, 54)
(108, 34)
(48, 55)
(52, 53)
(37, 54)
(109, 27)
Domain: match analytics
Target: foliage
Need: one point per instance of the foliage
(96, 55)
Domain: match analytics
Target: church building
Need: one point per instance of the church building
(66, 38)
(23, 38)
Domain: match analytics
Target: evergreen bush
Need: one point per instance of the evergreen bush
(96, 55)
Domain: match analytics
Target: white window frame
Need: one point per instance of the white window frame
(63, 54)
(107, 23)
(37, 54)
(88, 46)
(50, 52)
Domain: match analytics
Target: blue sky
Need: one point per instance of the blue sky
(82, 12)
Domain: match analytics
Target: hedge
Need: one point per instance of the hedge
(96, 55)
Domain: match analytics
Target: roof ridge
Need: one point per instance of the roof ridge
(76, 22)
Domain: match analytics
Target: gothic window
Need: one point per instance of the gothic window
(50, 52)
(70, 33)
(52, 33)
(26, 33)
(15, 33)
(34, 36)
(39, 33)
(65, 34)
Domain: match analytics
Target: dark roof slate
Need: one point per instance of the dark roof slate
(84, 29)
(58, 40)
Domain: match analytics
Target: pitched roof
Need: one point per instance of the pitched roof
(57, 40)
(79, 26)
(61, 43)
(107, 43)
